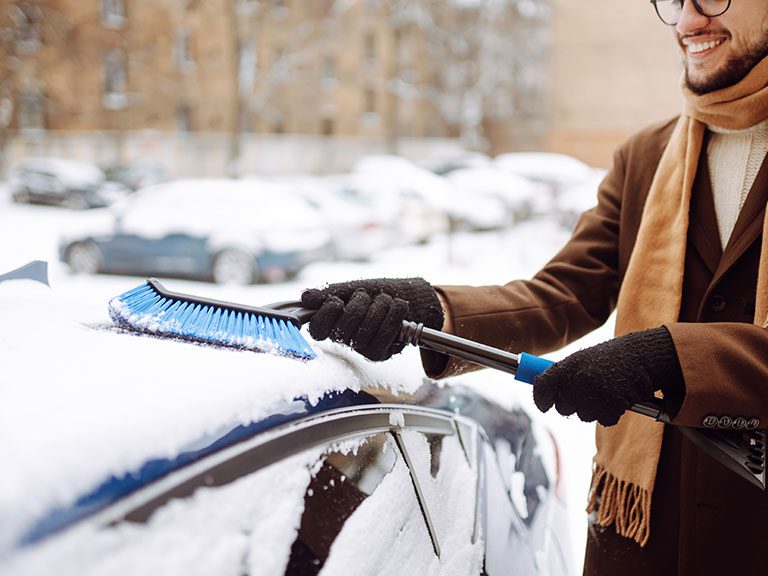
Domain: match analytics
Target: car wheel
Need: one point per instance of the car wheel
(84, 258)
(75, 202)
(233, 267)
(20, 196)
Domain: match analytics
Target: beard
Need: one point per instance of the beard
(734, 70)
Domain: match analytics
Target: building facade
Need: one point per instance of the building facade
(375, 70)
(614, 71)
(492, 76)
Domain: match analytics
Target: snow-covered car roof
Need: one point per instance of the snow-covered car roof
(80, 403)
(544, 166)
(73, 172)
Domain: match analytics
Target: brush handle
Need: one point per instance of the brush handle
(524, 367)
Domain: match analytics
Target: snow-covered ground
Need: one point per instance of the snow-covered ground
(48, 421)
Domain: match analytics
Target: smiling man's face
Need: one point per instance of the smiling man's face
(720, 51)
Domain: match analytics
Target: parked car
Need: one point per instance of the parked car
(200, 460)
(407, 208)
(137, 174)
(447, 163)
(359, 228)
(556, 171)
(227, 231)
(520, 197)
(479, 212)
(60, 182)
(574, 200)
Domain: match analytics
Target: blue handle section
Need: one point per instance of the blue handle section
(531, 366)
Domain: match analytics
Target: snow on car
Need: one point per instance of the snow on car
(228, 231)
(128, 454)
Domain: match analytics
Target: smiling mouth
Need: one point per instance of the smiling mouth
(699, 47)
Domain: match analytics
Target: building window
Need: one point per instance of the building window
(370, 101)
(369, 48)
(115, 82)
(404, 40)
(184, 119)
(328, 70)
(112, 13)
(31, 111)
(26, 21)
(327, 126)
(183, 52)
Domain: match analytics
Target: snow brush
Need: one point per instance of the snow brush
(276, 328)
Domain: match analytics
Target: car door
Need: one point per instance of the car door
(333, 494)
(155, 234)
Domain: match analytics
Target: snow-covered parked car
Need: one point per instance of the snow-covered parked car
(228, 231)
(404, 207)
(520, 197)
(139, 455)
(577, 199)
(556, 171)
(461, 210)
(360, 226)
(60, 182)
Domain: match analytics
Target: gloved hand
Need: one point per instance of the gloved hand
(367, 314)
(602, 382)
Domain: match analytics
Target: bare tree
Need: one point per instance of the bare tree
(25, 27)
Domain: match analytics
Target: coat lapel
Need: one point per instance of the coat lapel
(703, 232)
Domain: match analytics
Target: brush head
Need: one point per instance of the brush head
(152, 309)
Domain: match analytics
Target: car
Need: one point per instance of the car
(359, 229)
(554, 170)
(577, 199)
(460, 210)
(407, 208)
(60, 182)
(443, 164)
(136, 174)
(149, 455)
(250, 232)
(521, 198)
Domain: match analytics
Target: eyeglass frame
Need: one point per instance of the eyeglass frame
(696, 6)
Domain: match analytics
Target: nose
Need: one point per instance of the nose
(690, 19)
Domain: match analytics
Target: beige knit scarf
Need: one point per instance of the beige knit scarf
(651, 293)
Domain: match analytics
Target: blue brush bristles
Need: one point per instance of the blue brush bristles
(149, 308)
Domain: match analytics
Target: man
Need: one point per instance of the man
(678, 245)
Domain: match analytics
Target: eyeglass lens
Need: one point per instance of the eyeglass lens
(669, 10)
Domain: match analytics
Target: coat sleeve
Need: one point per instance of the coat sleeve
(573, 294)
(725, 368)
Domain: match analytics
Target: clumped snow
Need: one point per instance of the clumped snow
(249, 524)
(82, 403)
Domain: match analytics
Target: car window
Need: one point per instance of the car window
(244, 527)
(361, 515)
(448, 481)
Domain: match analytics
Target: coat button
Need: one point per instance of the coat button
(710, 421)
(725, 422)
(717, 303)
(739, 423)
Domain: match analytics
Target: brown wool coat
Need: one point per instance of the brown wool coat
(704, 519)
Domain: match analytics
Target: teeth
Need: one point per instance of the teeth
(697, 47)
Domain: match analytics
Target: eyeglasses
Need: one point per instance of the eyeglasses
(669, 10)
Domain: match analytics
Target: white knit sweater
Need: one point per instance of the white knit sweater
(734, 158)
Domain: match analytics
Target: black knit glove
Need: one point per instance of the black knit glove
(367, 314)
(602, 382)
